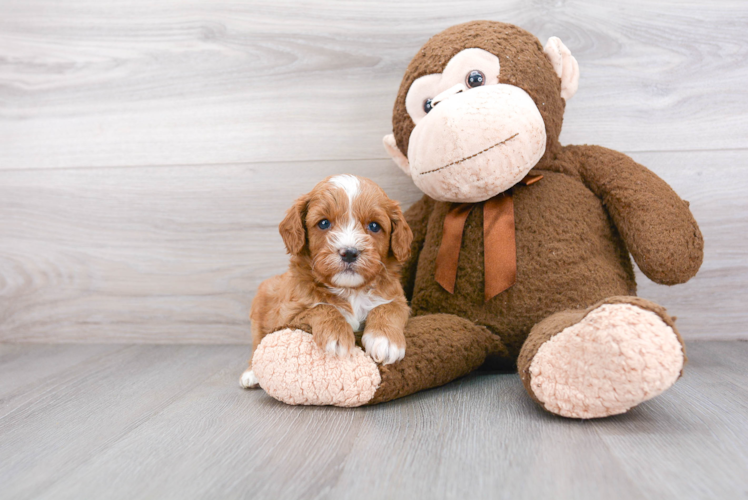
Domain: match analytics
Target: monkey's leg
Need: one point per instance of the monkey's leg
(601, 361)
(439, 349)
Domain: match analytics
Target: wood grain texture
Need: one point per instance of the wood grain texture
(22, 369)
(715, 421)
(712, 304)
(105, 83)
(154, 255)
(67, 418)
(176, 254)
(148, 150)
(88, 434)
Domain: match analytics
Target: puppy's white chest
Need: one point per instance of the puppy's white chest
(361, 303)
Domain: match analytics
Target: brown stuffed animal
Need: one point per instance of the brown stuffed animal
(521, 246)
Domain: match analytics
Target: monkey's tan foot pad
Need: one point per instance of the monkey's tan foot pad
(291, 368)
(617, 356)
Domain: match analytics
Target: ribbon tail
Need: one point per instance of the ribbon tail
(499, 245)
(449, 249)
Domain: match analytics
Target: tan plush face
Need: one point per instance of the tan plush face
(477, 127)
(349, 228)
(478, 138)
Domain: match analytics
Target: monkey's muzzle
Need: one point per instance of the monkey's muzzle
(476, 144)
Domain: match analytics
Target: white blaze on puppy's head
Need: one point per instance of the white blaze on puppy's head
(348, 236)
(349, 183)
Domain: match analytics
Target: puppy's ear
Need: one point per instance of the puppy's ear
(292, 228)
(402, 236)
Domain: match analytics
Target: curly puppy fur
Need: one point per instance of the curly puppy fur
(344, 274)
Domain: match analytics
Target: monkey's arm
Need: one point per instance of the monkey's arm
(417, 217)
(656, 225)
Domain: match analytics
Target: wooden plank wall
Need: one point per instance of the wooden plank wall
(148, 149)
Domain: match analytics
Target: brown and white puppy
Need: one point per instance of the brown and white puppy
(347, 241)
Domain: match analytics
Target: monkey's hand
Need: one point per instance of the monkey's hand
(657, 226)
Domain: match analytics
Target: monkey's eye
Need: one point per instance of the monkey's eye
(475, 79)
(323, 224)
(374, 227)
(427, 105)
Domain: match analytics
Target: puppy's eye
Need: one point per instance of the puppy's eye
(475, 79)
(323, 224)
(427, 105)
(374, 227)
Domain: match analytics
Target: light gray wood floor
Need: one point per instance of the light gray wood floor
(169, 421)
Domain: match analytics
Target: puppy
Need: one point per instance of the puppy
(347, 241)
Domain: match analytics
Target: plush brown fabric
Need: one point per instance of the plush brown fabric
(419, 214)
(522, 61)
(556, 323)
(441, 348)
(655, 224)
(569, 256)
(572, 245)
(574, 230)
(498, 237)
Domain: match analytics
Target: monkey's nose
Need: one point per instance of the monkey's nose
(349, 254)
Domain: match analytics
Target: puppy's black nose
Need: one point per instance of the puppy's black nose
(349, 255)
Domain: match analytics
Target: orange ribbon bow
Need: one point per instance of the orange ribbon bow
(499, 246)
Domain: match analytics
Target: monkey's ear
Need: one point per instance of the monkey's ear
(565, 66)
(292, 228)
(390, 145)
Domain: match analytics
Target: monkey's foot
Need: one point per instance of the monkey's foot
(614, 357)
(441, 347)
(291, 368)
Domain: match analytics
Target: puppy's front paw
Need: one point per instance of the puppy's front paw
(249, 380)
(336, 348)
(382, 348)
(337, 343)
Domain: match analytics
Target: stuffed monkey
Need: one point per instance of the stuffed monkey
(522, 247)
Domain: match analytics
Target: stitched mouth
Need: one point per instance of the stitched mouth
(471, 156)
